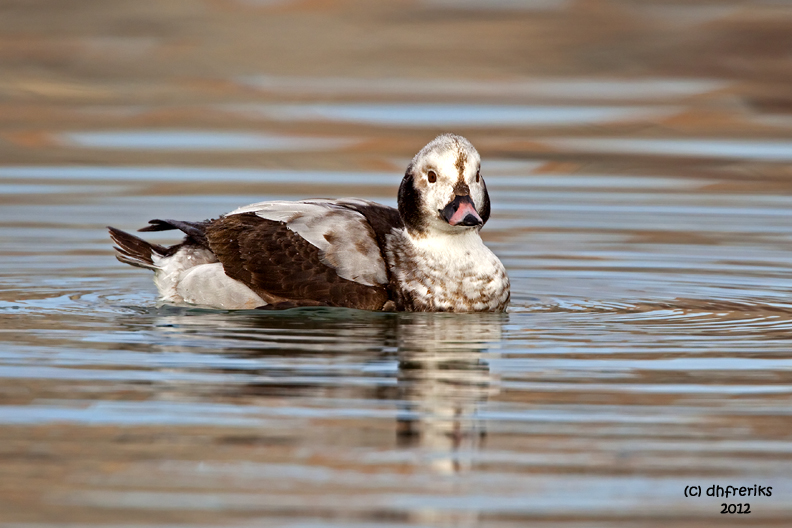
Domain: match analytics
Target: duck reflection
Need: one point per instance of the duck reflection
(442, 377)
(443, 381)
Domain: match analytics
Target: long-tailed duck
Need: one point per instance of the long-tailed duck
(425, 256)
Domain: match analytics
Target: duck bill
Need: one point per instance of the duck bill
(462, 212)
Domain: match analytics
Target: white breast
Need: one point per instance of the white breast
(448, 272)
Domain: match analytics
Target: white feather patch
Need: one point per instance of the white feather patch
(208, 285)
(345, 240)
(171, 270)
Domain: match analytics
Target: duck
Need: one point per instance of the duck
(424, 256)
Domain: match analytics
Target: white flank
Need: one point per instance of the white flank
(208, 285)
(194, 276)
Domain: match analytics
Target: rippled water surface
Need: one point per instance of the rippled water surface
(641, 205)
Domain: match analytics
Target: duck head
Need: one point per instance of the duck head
(443, 190)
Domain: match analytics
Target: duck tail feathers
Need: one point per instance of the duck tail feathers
(135, 251)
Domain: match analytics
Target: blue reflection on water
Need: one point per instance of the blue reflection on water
(763, 150)
(197, 140)
(446, 115)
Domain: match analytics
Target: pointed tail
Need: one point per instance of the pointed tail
(135, 251)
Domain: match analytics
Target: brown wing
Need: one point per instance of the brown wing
(282, 267)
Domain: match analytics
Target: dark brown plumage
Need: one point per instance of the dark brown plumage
(409, 198)
(281, 267)
(133, 250)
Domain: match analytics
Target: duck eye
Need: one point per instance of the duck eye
(478, 175)
(431, 176)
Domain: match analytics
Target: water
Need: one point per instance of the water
(641, 209)
(444, 115)
(187, 140)
(764, 150)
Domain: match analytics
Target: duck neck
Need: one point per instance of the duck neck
(445, 243)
